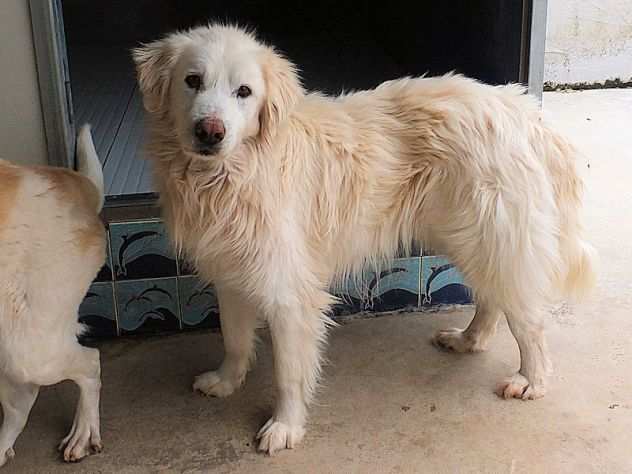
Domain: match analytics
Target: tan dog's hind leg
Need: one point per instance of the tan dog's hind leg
(17, 401)
(84, 437)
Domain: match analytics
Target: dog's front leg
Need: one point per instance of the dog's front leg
(239, 319)
(298, 334)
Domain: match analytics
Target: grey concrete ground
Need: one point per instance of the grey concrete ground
(391, 402)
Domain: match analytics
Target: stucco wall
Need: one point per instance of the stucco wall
(22, 136)
(588, 41)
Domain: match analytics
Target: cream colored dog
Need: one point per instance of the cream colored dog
(275, 193)
(52, 244)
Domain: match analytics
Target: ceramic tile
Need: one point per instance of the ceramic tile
(198, 303)
(148, 306)
(141, 250)
(97, 311)
(442, 283)
(393, 288)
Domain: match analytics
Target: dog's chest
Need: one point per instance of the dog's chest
(221, 228)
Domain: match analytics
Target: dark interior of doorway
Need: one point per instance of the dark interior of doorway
(338, 45)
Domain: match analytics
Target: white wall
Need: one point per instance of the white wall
(588, 41)
(22, 136)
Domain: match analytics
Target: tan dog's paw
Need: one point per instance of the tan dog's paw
(518, 386)
(213, 384)
(81, 442)
(274, 436)
(6, 456)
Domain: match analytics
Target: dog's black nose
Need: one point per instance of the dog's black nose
(210, 131)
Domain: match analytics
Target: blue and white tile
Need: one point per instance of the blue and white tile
(442, 283)
(394, 287)
(97, 311)
(141, 250)
(198, 303)
(148, 306)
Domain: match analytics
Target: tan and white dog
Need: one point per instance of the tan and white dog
(274, 193)
(52, 244)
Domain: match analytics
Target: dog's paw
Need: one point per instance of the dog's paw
(274, 436)
(6, 456)
(214, 384)
(81, 442)
(518, 386)
(456, 340)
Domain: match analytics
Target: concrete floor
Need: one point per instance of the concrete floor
(391, 402)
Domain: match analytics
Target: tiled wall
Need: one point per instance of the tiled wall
(144, 289)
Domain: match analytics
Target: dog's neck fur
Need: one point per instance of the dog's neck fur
(214, 208)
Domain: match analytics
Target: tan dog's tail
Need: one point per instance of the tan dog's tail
(88, 163)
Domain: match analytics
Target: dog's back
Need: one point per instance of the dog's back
(424, 143)
(52, 243)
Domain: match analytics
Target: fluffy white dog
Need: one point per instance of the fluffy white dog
(274, 193)
(52, 244)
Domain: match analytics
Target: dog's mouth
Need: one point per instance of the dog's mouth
(205, 151)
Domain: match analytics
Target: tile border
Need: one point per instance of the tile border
(351, 305)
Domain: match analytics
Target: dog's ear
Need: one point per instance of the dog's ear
(154, 62)
(283, 91)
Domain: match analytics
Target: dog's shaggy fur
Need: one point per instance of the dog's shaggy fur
(305, 189)
(52, 244)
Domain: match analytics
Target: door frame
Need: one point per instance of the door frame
(534, 15)
(54, 81)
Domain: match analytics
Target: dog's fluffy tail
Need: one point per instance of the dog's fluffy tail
(582, 276)
(88, 163)
(579, 256)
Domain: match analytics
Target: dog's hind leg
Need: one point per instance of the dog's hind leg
(476, 336)
(529, 382)
(83, 367)
(17, 401)
(298, 335)
(239, 319)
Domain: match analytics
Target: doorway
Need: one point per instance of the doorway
(337, 46)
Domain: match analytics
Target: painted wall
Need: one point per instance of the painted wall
(22, 138)
(588, 41)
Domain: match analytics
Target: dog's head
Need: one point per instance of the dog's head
(218, 86)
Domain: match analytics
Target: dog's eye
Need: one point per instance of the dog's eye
(194, 81)
(243, 92)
